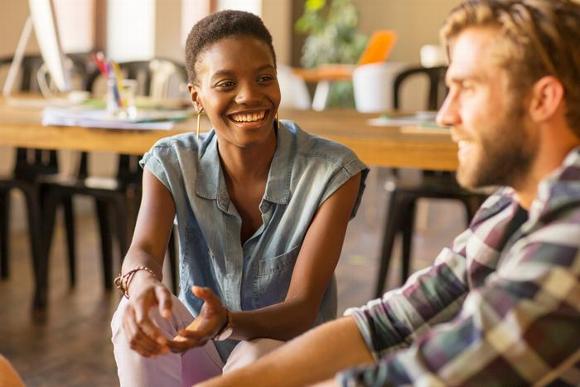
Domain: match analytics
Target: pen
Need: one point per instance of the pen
(114, 85)
(119, 78)
(99, 59)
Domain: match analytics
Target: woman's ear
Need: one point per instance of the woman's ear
(193, 92)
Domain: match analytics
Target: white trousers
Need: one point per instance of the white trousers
(173, 369)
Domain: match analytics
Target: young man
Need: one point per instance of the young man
(502, 306)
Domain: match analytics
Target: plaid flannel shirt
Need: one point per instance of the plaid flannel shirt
(500, 308)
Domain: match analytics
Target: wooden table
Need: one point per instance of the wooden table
(376, 146)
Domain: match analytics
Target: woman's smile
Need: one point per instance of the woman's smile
(249, 118)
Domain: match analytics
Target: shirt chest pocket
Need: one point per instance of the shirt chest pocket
(279, 264)
(272, 279)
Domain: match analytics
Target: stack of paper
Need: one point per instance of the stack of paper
(421, 122)
(420, 118)
(99, 118)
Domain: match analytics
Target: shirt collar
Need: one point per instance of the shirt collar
(210, 182)
(561, 188)
(278, 184)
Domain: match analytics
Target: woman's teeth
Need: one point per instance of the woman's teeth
(249, 117)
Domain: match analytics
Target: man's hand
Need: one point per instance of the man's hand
(211, 320)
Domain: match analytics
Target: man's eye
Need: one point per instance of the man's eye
(467, 86)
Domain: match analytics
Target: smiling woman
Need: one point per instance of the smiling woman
(236, 85)
(259, 241)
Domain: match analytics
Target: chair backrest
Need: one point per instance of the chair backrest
(32, 63)
(28, 69)
(156, 78)
(436, 87)
(33, 162)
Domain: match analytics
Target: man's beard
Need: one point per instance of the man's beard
(508, 154)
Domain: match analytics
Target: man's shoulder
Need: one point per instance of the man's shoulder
(500, 199)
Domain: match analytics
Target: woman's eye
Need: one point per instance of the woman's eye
(226, 84)
(265, 78)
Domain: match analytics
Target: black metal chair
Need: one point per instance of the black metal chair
(404, 192)
(29, 167)
(29, 188)
(117, 198)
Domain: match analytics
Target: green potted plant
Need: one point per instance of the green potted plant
(332, 38)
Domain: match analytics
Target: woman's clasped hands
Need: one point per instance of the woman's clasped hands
(146, 338)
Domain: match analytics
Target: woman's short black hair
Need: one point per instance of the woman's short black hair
(221, 25)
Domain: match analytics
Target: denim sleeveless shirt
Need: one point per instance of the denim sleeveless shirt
(304, 172)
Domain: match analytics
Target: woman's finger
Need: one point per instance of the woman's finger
(140, 340)
(149, 329)
(144, 305)
(164, 300)
(206, 294)
(182, 344)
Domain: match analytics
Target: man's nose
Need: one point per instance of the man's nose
(448, 114)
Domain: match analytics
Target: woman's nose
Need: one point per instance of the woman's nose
(247, 93)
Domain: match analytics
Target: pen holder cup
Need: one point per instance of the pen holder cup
(128, 97)
(121, 97)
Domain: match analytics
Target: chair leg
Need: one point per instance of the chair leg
(106, 242)
(392, 226)
(4, 233)
(172, 250)
(135, 202)
(122, 225)
(408, 225)
(70, 238)
(49, 203)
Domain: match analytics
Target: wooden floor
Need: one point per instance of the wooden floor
(70, 345)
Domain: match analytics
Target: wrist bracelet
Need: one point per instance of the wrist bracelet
(122, 281)
(226, 330)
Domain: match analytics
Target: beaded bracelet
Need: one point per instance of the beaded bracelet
(122, 281)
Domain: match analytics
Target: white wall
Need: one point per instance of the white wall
(253, 6)
(416, 22)
(191, 12)
(130, 29)
(76, 24)
(277, 17)
(168, 30)
(13, 14)
(74, 19)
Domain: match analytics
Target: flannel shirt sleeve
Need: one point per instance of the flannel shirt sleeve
(429, 297)
(521, 327)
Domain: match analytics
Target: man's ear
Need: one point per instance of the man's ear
(194, 96)
(547, 97)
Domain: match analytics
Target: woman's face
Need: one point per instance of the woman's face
(236, 85)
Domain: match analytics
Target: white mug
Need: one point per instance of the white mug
(373, 86)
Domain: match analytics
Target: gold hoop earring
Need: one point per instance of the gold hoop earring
(198, 125)
(277, 120)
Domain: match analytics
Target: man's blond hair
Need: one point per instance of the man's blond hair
(538, 38)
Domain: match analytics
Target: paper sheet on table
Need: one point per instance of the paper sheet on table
(98, 118)
(423, 122)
